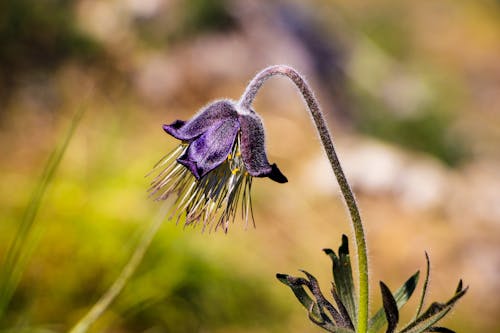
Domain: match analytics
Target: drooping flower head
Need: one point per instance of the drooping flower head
(212, 169)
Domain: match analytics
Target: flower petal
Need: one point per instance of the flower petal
(209, 150)
(210, 116)
(253, 150)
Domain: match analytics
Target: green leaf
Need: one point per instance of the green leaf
(325, 322)
(342, 276)
(302, 296)
(459, 287)
(324, 303)
(390, 308)
(341, 330)
(316, 308)
(434, 313)
(401, 296)
(426, 283)
(342, 310)
(440, 330)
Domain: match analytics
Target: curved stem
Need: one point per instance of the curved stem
(102, 304)
(326, 139)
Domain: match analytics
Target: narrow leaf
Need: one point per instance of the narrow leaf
(324, 322)
(401, 296)
(341, 330)
(426, 283)
(440, 330)
(341, 307)
(433, 314)
(390, 308)
(459, 287)
(342, 276)
(296, 284)
(323, 302)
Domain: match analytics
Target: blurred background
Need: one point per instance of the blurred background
(412, 94)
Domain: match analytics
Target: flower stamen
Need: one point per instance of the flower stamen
(214, 197)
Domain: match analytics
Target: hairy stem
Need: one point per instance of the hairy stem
(102, 304)
(324, 134)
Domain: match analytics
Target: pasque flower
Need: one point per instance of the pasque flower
(222, 149)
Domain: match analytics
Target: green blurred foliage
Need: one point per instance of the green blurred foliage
(206, 15)
(429, 131)
(183, 292)
(191, 18)
(39, 35)
(388, 31)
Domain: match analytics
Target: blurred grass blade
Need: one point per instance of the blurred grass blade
(426, 283)
(401, 296)
(128, 270)
(342, 276)
(20, 250)
(390, 308)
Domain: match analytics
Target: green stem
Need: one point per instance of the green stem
(362, 259)
(102, 304)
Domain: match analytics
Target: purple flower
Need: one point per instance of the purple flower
(222, 149)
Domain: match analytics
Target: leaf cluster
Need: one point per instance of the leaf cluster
(342, 317)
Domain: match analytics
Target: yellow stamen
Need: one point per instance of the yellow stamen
(234, 171)
(229, 156)
(238, 153)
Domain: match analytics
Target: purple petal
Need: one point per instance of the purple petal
(253, 150)
(210, 149)
(210, 116)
